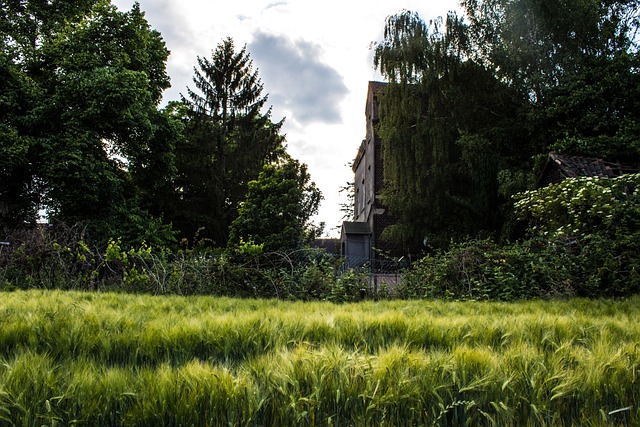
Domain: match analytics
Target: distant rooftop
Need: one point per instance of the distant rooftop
(375, 86)
(329, 245)
(561, 166)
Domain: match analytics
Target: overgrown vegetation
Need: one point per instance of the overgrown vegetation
(583, 240)
(61, 258)
(476, 102)
(115, 359)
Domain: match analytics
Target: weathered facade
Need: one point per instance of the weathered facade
(369, 180)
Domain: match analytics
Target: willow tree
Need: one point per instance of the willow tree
(444, 122)
(228, 139)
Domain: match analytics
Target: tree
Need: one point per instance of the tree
(472, 106)
(277, 210)
(18, 191)
(447, 124)
(227, 141)
(575, 61)
(81, 112)
(535, 44)
(347, 193)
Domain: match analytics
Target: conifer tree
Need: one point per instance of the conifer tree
(227, 141)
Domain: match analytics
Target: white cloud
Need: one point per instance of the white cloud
(297, 80)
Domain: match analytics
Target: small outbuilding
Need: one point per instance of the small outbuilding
(355, 243)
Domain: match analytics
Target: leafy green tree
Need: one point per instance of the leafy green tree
(228, 139)
(447, 125)
(473, 106)
(575, 61)
(596, 113)
(277, 210)
(80, 112)
(18, 191)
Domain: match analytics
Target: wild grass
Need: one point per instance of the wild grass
(114, 359)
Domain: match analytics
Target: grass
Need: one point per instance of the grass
(71, 358)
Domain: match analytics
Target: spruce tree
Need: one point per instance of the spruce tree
(228, 139)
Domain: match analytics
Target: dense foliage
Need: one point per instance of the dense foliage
(82, 140)
(113, 359)
(584, 240)
(579, 207)
(228, 139)
(79, 120)
(474, 105)
(58, 258)
(278, 208)
(470, 109)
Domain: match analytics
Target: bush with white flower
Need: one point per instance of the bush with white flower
(582, 206)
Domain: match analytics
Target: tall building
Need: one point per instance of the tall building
(361, 240)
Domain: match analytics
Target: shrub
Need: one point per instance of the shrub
(353, 285)
(583, 240)
(599, 218)
(477, 270)
(58, 257)
(583, 206)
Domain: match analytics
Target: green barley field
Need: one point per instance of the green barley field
(91, 359)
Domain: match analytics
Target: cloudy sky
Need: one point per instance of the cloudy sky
(313, 57)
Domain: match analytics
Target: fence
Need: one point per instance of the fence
(59, 258)
(383, 274)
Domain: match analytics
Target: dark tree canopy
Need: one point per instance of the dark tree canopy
(536, 44)
(79, 112)
(228, 139)
(472, 105)
(445, 122)
(575, 61)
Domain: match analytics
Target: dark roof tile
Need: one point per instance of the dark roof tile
(356, 227)
(560, 167)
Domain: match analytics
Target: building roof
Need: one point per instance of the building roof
(359, 156)
(356, 227)
(560, 167)
(330, 246)
(375, 86)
